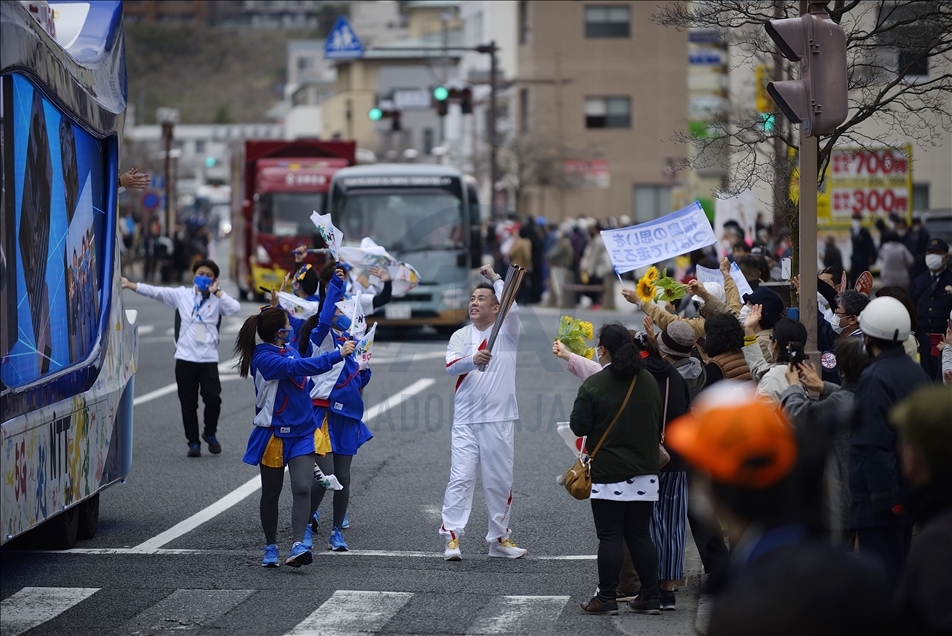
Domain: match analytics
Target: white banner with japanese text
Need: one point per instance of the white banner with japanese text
(655, 241)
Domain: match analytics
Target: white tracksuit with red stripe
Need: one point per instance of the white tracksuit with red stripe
(485, 410)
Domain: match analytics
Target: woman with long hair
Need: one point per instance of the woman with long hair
(624, 397)
(285, 430)
(771, 376)
(338, 407)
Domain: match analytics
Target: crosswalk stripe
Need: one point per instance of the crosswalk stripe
(186, 609)
(517, 615)
(144, 329)
(33, 606)
(352, 613)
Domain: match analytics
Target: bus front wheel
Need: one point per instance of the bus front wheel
(88, 518)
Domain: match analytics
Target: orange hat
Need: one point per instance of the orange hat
(735, 437)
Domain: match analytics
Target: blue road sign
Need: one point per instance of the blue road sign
(343, 43)
(150, 200)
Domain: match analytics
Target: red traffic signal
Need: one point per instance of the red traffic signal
(818, 101)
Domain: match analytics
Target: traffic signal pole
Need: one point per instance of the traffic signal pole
(809, 149)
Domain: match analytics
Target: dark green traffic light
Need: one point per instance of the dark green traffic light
(440, 93)
(375, 114)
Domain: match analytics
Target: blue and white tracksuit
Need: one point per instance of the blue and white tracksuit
(337, 394)
(284, 420)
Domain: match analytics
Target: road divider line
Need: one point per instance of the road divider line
(170, 388)
(144, 329)
(246, 489)
(397, 554)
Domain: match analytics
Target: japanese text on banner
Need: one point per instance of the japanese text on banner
(672, 235)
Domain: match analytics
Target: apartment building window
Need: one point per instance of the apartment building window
(523, 22)
(651, 202)
(920, 197)
(524, 110)
(607, 112)
(199, 146)
(607, 22)
(428, 141)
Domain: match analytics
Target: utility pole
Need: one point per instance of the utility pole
(167, 128)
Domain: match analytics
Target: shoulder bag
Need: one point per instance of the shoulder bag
(663, 456)
(578, 479)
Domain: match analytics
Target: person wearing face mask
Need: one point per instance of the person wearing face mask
(864, 248)
(339, 407)
(285, 430)
(883, 529)
(771, 376)
(198, 312)
(932, 294)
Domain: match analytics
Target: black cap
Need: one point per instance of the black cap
(937, 245)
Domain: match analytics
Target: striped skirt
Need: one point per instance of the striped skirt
(669, 523)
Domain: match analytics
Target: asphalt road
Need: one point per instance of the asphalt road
(179, 544)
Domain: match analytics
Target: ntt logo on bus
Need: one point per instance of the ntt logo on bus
(294, 178)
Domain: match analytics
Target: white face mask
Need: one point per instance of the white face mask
(857, 225)
(744, 311)
(934, 262)
(836, 323)
(597, 358)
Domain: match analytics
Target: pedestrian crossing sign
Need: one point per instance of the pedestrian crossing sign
(343, 43)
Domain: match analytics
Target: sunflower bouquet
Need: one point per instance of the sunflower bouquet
(574, 333)
(654, 285)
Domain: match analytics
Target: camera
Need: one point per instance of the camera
(795, 352)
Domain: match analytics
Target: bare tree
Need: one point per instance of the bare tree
(889, 43)
(527, 162)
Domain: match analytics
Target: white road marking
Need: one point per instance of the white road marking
(517, 614)
(252, 485)
(171, 388)
(397, 554)
(170, 331)
(412, 357)
(186, 609)
(433, 512)
(32, 606)
(350, 613)
(144, 329)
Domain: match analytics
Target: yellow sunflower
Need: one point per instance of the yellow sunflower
(646, 291)
(651, 276)
(588, 330)
(589, 353)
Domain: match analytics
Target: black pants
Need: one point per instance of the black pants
(889, 545)
(930, 364)
(629, 521)
(710, 543)
(190, 378)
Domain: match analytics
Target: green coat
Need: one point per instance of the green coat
(632, 446)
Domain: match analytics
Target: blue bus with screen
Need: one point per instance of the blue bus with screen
(67, 347)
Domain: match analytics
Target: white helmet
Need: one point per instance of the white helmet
(887, 319)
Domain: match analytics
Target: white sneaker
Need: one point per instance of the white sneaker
(451, 552)
(506, 549)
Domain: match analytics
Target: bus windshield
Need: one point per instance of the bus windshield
(402, 221)
(288, 213)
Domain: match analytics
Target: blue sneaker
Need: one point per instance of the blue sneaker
(194, 450)
(270, 559)
(336, 542)
(316, 520)
(308, 538)
(346, 523)
(299, 555)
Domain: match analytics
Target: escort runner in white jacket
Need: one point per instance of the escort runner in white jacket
(198, 312)
(485, 411)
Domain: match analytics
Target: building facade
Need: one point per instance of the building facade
(601, 91)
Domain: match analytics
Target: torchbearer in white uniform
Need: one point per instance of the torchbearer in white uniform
(484, 415)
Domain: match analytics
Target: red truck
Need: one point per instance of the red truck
(276, 185)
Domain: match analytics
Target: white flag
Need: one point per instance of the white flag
(330, 234)
(297, 306)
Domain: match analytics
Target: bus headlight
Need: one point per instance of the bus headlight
(261, 256)
(454, 298)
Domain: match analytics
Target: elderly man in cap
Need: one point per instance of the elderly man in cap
(932, 294)
(924, 421)
(675, 344)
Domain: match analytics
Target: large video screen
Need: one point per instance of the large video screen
(51, 236)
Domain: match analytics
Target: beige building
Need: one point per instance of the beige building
(600, 93)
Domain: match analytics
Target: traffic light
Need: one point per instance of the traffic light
(466, 100)
(768, 122)
(376, 114)
(441, 96)
(210, 162)
(818, 101)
